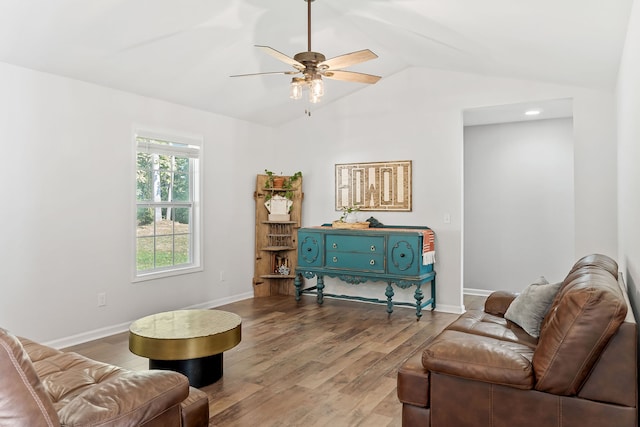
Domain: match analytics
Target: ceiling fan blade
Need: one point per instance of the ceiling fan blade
(351, 76)
(348, 59)
(268, 72)
(282, 57)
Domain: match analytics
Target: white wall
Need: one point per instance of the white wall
(518, 203)
(628, 107)
(417, 115)
(67, 194)
(67, 206)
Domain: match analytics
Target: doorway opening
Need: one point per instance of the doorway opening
(518, 195)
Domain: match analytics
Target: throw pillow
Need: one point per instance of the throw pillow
(529, 308)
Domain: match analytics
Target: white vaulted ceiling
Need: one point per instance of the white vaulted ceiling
(184, 51)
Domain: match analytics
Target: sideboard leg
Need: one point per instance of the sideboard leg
(418, 296)
(298, 284)
(319, 289)
(433, 293)
(389, 293)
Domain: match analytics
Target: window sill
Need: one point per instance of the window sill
(166, 273)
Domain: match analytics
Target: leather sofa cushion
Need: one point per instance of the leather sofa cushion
(129, 399)
(481, 358)
(581, 268)
(67, 375)
(586, 313)
(23, 400)
(481, 323)
(597, 261)
(87, 392)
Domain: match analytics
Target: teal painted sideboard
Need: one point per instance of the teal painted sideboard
(398, 255)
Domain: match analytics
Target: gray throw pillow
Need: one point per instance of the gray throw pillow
(529, 308)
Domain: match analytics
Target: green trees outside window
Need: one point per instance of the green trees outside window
(165, 203)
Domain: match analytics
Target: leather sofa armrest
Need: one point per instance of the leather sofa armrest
(498, 302)
(413, 382)
(132, 398)
(480, 358)
(195, 409)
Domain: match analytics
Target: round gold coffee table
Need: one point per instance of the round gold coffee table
(187, 341)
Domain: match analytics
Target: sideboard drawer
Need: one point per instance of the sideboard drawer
(364, 244)
(355, 261)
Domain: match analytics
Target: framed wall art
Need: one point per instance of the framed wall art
(378, 186)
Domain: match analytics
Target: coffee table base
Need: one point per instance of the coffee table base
(201, 372)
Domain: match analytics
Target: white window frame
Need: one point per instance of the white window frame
(193, 150)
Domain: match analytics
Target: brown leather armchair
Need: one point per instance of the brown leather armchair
(484, 370)
(41, 386)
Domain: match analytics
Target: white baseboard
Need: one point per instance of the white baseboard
(88, 336)
(221, 301)
(455, 309)
(439, 307)
(123, 327)
(477, 292)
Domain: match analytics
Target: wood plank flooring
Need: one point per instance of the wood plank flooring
(301, 364)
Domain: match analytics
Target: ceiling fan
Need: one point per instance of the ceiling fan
(313, 66)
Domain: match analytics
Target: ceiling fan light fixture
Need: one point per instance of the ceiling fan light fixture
(295, 89)
(317, 86)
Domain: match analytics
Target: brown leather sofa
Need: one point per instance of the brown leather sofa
(41, 386)
(484, 370)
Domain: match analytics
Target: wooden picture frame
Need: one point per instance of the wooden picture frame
(376, 186)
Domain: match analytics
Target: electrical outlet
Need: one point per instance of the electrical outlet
(447, 218)
(221, 275)
(102, 299)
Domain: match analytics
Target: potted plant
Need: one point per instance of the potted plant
(349, 214)
(280, 182)
(349, 219)
(284, 189)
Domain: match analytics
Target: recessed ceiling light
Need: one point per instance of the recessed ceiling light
(532, 112)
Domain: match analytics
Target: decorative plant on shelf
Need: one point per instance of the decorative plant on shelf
(273, 183)
(288, 184)
(271, 180)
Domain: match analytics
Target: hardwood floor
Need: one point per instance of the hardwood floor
(301, 364)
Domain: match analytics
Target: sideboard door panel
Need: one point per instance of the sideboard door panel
(311, 249)
(404, 255)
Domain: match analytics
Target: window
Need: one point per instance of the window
(167, 205)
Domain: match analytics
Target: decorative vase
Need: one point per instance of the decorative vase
(278, 182)
(278, 207)
(351, 218)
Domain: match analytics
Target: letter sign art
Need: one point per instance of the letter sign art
(381, 186)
